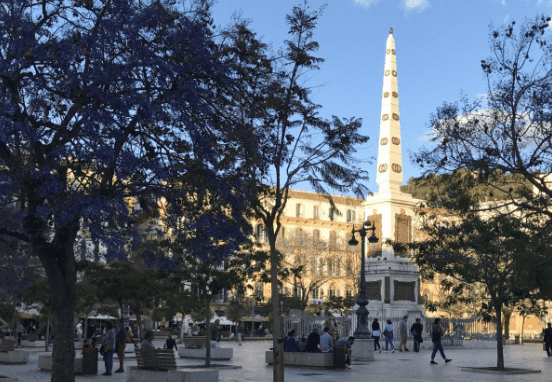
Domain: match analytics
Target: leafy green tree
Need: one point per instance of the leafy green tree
(295, 145)
(484, 251)
(499, 145)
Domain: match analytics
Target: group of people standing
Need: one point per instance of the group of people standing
(416, 330)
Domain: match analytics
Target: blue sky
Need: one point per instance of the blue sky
(440, 44)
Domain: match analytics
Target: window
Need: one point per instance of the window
(299, 210)
(349, 293)
(261, 234)
(331, 214)
(349, 268)
(313, 266)
(320, 267)
(331, 267)
(259, 290)
(333, 240)
(316, 293)
(332, 292)
(350, 216)
(315, 212)
(283, 232)
(316, 235)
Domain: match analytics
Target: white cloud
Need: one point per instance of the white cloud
(416, 5)
(503, 2)
(366, 3)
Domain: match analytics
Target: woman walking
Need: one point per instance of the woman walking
(388, 333)
(376, 333)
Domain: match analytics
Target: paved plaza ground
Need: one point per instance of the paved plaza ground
(386, 367)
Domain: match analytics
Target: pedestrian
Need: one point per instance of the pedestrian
(120, 345)
(109, 347)
(291, 344)
(240, 333)
(170, 343)
(403, 330)
(388, 333)
(548, 339)
(313, 341)
(436, 332)
(326, 341)
(20, 330)
(376, 334)
(347, 342)
(417, 329)
(79, 331)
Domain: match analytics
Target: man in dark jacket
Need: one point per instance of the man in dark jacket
(120, 344)
(417, 330)
(548, 338)
(436, 332)
(313, 341)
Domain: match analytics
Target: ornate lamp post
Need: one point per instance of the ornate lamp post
(362, 330)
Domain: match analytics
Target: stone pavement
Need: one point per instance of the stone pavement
(387, 367)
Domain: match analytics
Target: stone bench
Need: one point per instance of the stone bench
(12, 357)
(194, 341)
(216, 353)
(45, 362)
(135, 374)
(304, 359)
(33, 344)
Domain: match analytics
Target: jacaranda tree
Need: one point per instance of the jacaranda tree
(100, 101)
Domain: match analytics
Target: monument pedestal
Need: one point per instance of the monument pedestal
(362, 350)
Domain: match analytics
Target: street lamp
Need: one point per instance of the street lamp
(362, 330)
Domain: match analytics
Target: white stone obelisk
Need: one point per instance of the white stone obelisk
(392, 280)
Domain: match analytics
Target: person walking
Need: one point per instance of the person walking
(376, 334)
(417, 330)
(388, 333)
(109, 347)
(403, 330)
(240, 333)
(548, 339)
(120, 345)
(436, 332)
(20, 330)
(170, 343)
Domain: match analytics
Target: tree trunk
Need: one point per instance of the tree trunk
(61, 272)
(277, 330)
(499, 344)
(207, 330)
(521, 331)
(47, 339)
(507, 315)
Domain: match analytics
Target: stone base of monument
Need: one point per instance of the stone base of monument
(362, 350)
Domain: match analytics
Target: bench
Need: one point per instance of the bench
(159, 365)
(194, 342)
(46, 362)
(304, 359)
(8, 354)
(7, 345)
(155, 359)
(216, 353)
